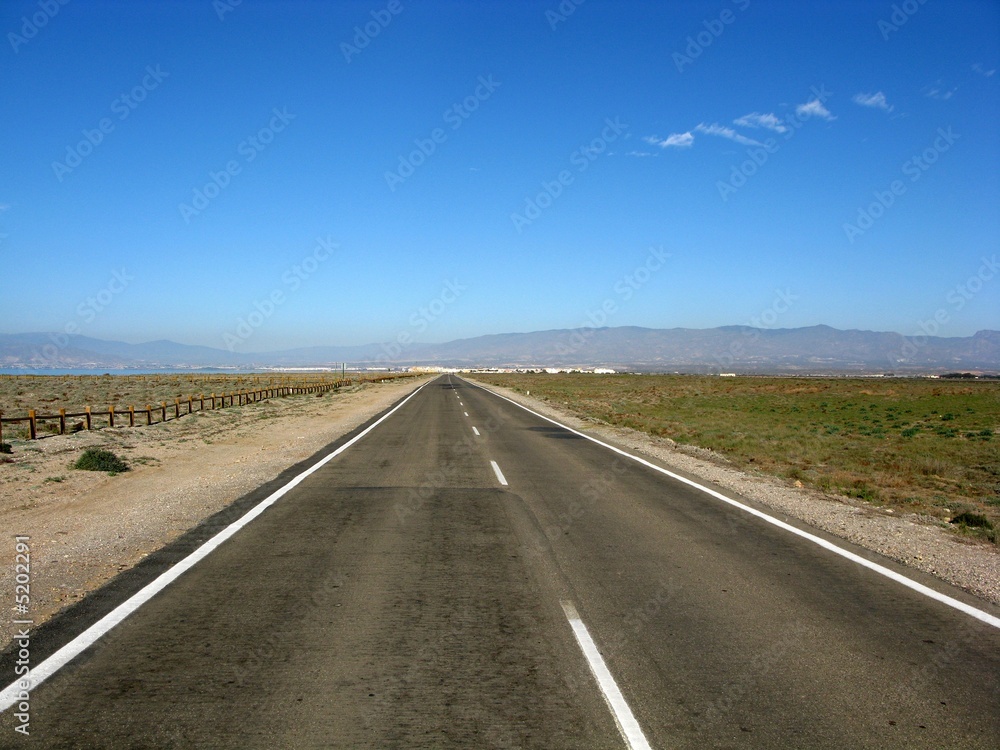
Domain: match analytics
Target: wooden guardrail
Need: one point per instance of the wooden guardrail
(214, 401)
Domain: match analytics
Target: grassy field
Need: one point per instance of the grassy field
(48, 393)
(924, 446)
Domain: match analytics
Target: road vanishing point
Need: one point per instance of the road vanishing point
(461, 572)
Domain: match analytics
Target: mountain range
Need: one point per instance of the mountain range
(813, 349)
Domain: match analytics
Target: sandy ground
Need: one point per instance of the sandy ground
(87, 526)
(920, 542)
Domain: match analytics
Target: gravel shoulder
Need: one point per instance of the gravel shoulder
(919, 542)
(86, 527)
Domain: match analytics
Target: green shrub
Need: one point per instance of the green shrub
(6, 448)
(972, 519)
(97, 459)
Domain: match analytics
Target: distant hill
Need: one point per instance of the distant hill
(729, 348)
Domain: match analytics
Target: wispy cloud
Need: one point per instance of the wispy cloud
(724, 132)
(939, 91)
(757, 120)
(814, 108)
(640, 153)
(674, 140)
(876, 101)
(981, 70)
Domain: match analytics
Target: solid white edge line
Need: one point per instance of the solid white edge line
(627, 724)
(475, 431)
(873, 566)
(496, 470)
(55, 662)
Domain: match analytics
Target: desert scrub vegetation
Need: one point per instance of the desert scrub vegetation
(923, 446)
(99, 459)
(48, 393)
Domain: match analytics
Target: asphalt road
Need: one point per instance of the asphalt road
(402, 596)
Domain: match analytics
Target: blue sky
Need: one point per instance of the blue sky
(278, 174)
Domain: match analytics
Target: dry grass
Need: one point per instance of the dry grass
(923, 446)
(49, 393)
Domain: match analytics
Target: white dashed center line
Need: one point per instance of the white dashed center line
(475, 431)
(500, 476)
(627, 724)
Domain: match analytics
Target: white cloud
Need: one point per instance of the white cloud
(674, 140)
(757, 120)
(980, 69)
(814, 108)
(724, 132)
(939, 91)
(640, 153)
(876, 100)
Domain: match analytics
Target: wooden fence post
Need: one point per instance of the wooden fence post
(131, 416)
(163, 411)
(177, 408)
(31, 423)
(149, 415)
(86, 409)
(62, 421)
(111, 415)
(190, 403)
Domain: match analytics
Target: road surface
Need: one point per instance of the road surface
(435, 584)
